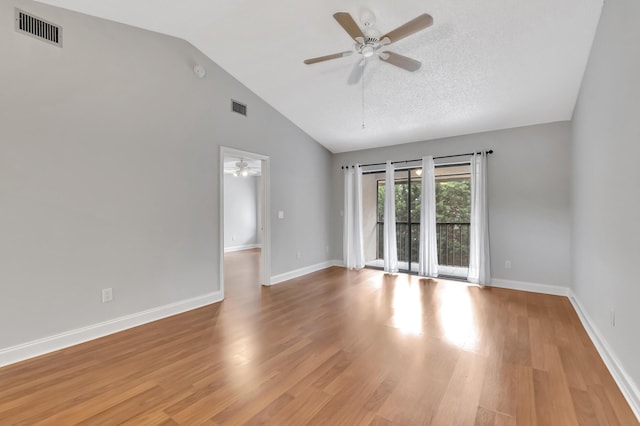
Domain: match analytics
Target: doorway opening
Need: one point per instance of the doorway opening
(244, 218)
(453, 211)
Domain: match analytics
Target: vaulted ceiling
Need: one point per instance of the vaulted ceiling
(486, 65)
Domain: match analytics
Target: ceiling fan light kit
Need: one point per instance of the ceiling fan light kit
(242, 169)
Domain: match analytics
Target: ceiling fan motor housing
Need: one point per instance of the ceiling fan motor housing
(371, 33)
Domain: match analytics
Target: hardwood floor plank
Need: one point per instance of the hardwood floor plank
(342, 362)
(89, 408)
(523, 343)
(583, 406)
(505, 420)
(380, 421)
(271, 410)
(563, 408)
(380, 395)
(525, 397)
(123, 411)
(333, 347)
(619, 405)
(543, 398)
(573, 365)
(149, 418)
(417, 396)
(465, 385)
(602, 408)
(485, 417)
(302, 408)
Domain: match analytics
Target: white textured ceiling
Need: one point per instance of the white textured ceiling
(487, 65)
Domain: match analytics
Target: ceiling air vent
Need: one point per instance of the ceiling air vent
(238, 107)
(38, 28)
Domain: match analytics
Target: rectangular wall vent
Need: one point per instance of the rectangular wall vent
(38, 28)
(238, 107)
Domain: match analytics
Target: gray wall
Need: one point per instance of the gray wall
(240, 211)
(109, 163)
(606, 183)
(529, 196)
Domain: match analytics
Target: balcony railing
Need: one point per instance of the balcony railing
(452, 240)
(453, 244)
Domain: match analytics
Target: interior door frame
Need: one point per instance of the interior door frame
(265, 253)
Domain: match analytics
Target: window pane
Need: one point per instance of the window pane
(453, 201)
(380, 201)
(402, 193)
(416, 196)
(415, 242)
(453, 212)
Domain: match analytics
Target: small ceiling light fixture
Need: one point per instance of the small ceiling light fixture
(242, 169)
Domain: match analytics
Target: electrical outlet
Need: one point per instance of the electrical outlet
(612, 315)
(233, 238)
(281, 214)
(298, 255)
(507, 264)
(107, 295)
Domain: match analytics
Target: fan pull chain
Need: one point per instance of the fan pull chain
(362, 77)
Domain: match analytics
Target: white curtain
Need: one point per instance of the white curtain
(390, 249)
(428, 260)
(353, 244)
(479, 256)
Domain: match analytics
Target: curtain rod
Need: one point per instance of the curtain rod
(420, 159)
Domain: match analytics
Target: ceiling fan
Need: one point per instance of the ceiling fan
(369, 42)
(242, 168)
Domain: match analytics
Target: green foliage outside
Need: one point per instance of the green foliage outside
(453, 205)
(453, 201)
(402, 194)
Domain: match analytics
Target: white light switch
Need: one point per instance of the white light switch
(280, 214)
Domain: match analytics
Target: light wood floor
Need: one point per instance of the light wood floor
(335, 347)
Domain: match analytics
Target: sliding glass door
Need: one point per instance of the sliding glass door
(407, 189)
(453, 205)
(453, 212)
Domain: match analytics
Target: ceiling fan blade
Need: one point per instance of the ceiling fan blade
(356, 73)
(400, 61)
(346, 21)
(420, 23)
(328, 57)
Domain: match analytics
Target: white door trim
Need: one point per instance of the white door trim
(265, 256)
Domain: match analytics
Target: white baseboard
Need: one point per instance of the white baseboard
(70, 338)
(626, 384)
(531, 287)
(276, 279)
(243, 247)
(337, 262)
